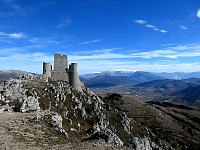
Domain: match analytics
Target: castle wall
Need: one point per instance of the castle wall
(59, 75)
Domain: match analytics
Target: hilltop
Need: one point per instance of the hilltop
(41, 113)
(63, 115)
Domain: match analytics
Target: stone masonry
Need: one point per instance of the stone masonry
(61, 71)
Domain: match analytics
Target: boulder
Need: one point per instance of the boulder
(139, 143)
(56, 121)
(27, 104)
(104, 133)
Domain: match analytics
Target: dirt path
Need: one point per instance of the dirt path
(9, 122)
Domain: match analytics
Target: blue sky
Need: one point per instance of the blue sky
(146, 35)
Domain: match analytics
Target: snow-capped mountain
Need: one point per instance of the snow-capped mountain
(117, 72)
(125, 72)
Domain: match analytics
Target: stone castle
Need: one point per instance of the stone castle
(61, 71)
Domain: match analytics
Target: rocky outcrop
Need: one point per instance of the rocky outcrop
(11, 89)
(73, 111)
(56, 121)
(139, 143)
(126, 122)
(97, 131)
(27, 104)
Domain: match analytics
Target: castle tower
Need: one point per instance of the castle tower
(60, 67)
(57, 62)
(74, 77)
(47, 68)
(64, 62)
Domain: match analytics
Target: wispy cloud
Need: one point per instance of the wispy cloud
(92, 41)
(183, 27)
(140, 21)
(167, 45)
(147, 25)
(109, 58)
(176, 51)
(13, 35)
(13, 39)
(11, 4)
(31, 62)
(14, 8)
(96, 51)
(198, 13)
(150, 26)
(163, 31)
(65, 23)
(142, 60)
(171, 52)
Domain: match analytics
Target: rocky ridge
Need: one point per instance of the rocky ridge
(73, 116)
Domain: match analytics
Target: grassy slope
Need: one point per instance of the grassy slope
(176, 125)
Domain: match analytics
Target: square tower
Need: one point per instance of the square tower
(60, 67)
(57, 62)
(64, 62)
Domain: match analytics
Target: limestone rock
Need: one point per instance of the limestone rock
(56, 121)
(27, 104)
(139, 143)
(126, 122)
(5, 107)
(97, 132)
(36, 117)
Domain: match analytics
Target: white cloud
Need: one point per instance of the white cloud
(141, 21)
(14, 8)
(163, 31)
(31, 62)
(109, 58)
(169, 67)
(198, 13)
(96, 51)
(183, 27)
(65, 23)
(156, 29)
(92, 41)
(16, 35)
(172, 51)
(150, 26)
(13, 35)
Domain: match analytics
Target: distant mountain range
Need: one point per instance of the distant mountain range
(14, 74)
(174, 75)
(109, 79)
(123, 77)
(103, 81)
(179, 75)
(178, 87)
(109, 72)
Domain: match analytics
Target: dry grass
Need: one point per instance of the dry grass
(175, 125)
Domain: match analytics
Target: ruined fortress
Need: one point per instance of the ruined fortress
(61, 71)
